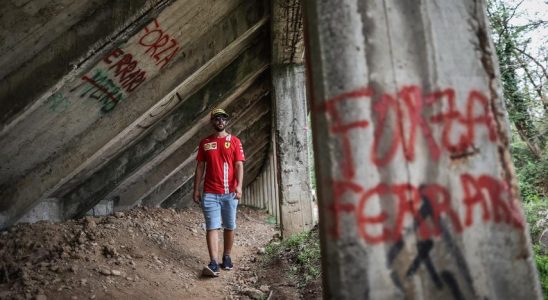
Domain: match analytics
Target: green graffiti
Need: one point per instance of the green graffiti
(101, 88)
(57, 102)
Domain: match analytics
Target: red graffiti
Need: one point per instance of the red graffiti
(339, 128)
(426, 206)
(125, 69)
(159, 45)
(404, 116)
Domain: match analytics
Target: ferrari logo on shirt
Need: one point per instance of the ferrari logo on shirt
(227, 145)
(210, 146)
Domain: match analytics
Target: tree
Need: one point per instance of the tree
(523, 76)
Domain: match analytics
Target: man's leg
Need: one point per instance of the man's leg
(229, 207)
(212, 213)
(212, 238)
(228, 239)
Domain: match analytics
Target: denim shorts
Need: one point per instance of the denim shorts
(220, 207)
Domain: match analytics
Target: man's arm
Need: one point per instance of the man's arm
(240, 178)
(200, 165)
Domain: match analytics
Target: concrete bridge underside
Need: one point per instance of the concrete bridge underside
(104, 102)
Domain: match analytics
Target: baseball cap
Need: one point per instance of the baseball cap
(218, 112)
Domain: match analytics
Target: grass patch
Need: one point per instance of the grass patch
(302, 252)
(271, 220)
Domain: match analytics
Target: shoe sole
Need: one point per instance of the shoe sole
(208, 272)
(226, 268)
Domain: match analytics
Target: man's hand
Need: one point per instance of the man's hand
(197, 197)
(238, 192)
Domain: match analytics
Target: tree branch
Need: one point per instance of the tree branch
(534, 60)
(538, 88)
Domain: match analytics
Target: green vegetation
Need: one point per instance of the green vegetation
(542, 266)
(524, 76)
(302, 252)
(271, 220)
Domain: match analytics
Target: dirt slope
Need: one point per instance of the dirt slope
(140, 254)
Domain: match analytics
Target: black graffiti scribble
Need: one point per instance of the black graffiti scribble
(423, 257)
(452, 283)
(392, 254)
(426, 211)
(424, 247)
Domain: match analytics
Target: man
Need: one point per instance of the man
(221, 156)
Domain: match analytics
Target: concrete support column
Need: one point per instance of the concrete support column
(253, 194)
(289, 96)
(271, 199)
(294, 184)
(418, 199)
(276, 207)
(263, 190)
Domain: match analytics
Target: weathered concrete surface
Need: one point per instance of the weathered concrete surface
(287, 32)
(107, 92)
(165, 145)
(42, 41)
(50, 209)
(417, 195)
(295, 190)
(289, 95)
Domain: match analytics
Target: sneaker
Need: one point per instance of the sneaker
(211, 270)
(227, 263)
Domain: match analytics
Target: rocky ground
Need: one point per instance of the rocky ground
(140, 254)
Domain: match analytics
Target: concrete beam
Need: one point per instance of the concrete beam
(76, 141)
(160, 149)
(44, 40)
(167, 104)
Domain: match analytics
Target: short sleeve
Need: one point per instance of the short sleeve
(239, 151)
(201, 154)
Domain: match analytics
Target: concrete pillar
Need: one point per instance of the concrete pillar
(255, 194)
(276, 207)
(289, 95)
(295, 190)
(418, 198)
(252, 194)
(270, 185)
(265, 188)
(261, 190)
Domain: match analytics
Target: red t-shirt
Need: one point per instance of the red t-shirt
(220, 155)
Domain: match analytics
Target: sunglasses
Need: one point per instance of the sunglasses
(220, 118)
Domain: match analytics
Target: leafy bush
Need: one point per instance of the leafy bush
(533, 183)
(542, 267)
(532, 173)
(537, 217)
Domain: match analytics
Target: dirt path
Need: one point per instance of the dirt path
(140, 254)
